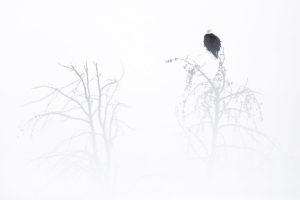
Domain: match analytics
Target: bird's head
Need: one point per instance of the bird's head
(208, 31)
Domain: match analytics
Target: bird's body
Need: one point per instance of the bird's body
(212, 43)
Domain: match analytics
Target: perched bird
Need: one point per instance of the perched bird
(212, 43)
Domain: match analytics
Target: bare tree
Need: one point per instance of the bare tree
(91, 101)
(212, 109)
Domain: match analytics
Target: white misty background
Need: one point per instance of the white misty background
(151, 159)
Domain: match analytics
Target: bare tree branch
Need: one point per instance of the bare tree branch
(62, 115)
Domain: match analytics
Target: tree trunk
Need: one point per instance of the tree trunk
(215, 126)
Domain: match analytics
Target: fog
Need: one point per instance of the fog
(151, 157)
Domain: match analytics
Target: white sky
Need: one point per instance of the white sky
(261, 41)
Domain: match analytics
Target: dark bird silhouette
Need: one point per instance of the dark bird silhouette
(212, 43)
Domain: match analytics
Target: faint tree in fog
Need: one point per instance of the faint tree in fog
(212, 110)
(90, 100)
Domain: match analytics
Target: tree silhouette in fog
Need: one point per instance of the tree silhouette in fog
(217, 117)
(88, 99)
